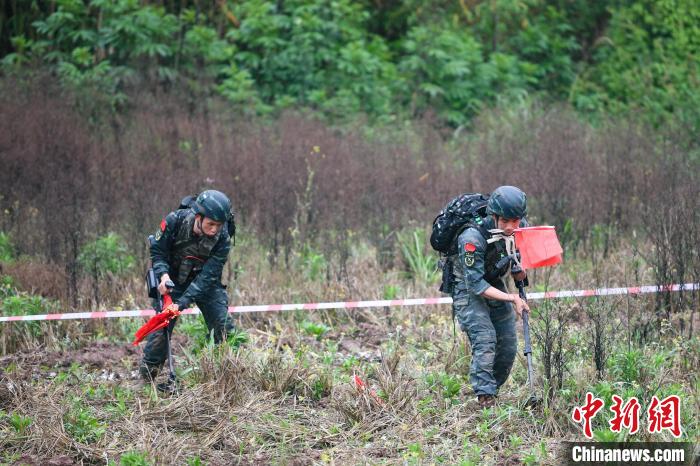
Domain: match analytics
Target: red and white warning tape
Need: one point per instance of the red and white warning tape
(357, 304)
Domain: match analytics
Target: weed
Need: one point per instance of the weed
(349, 363)
(419, 262)
(604, 434)
(134, 458)
(20, 423)
(449, 385)
(314, 329)
(7, 250)
(626, 365)
(82, 425)
(314, 264)
(237, 338)
(391, 291)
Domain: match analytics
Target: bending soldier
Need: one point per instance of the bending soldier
(190, 249)
(482, 305)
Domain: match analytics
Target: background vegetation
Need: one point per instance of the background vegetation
(389, 61)
(339, 129)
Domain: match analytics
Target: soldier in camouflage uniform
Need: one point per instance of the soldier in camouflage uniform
(190, 249)
(481, 303)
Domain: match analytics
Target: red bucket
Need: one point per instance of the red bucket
(538, 246)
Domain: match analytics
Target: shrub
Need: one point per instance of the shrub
(7, 251)
(106, 255)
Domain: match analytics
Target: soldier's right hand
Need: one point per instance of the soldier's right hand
(520, 305)
(162, 288)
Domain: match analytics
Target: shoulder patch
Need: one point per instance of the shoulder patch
(469, 259)
(469, 250)
(163, 225)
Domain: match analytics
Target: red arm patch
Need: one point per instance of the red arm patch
(163, 225)
(470, 247)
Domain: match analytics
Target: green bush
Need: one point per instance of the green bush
(387, 60)
(447, 69)
(106, 255)
(7, 286)
(391, 291)
(308, 53)
(647, 64)
(22, 303)
(7, 250)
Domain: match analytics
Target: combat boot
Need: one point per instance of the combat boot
(148, 372)
(486, 401)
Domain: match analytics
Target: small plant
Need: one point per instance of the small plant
(314, 329)
(119, 406)
(237, 338)
(420, 263)
(134, 459)
(451, 385)
(413, 452)
(472, 454)
(7, 250)
(82, 425)
(350, 362)
(515, 441)
(626, 365)
(606, 435)
(321, 386)
(391, 291)
(330, 353)
(20, 423)
(197, 330)
(314, 264)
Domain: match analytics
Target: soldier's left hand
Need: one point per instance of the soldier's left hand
(172, 307)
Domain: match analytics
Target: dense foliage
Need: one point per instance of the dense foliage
(389, 61)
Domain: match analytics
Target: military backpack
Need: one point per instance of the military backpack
(465, 210)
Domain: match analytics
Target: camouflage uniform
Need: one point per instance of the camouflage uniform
(194, 263)
(489, 323)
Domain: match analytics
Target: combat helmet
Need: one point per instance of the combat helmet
(507, 202)
(214, 205)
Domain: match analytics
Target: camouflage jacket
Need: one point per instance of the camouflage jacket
(193, 262)
(475, 265)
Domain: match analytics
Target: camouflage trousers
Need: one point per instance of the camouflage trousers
(490, 325)
(214, 308)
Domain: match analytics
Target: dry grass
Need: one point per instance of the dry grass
(289, 397)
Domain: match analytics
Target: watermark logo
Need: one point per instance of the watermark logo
(661, 414)
(665, 414)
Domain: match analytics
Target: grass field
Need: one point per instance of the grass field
(283, 390)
